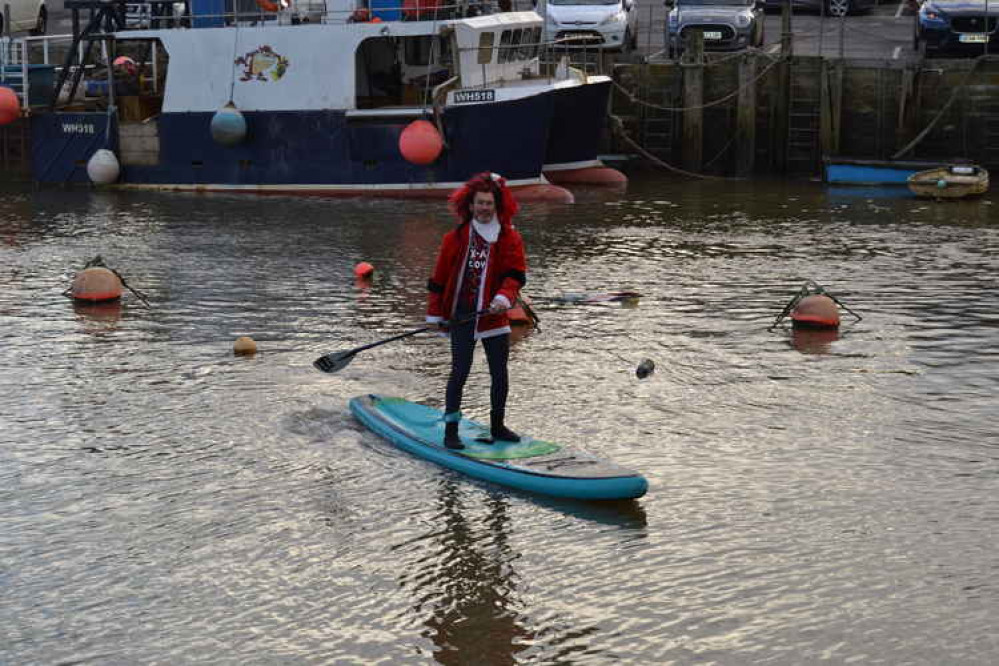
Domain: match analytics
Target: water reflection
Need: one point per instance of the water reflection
(813, 340)
(474, 585)
(98, 318)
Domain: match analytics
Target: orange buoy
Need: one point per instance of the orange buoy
(816, 311)
(596, 175)
(96, 284)
(420, 143)
(364, 270)
(244, 346)
(545, 192)
(10, 106)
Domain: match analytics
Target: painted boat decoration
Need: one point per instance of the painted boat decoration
(263, 104)
(950, 182)
(872, 173)
(530, 465)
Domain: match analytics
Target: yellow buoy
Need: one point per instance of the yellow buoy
(244, 346)
(96, 284)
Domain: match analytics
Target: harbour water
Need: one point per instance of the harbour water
(813, 498)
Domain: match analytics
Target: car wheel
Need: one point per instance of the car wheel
(42, 23)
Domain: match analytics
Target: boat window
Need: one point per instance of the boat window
(418, 50)
(529, 44)
(378, 76)
(486, 40)
(504, 47)
(518, 37)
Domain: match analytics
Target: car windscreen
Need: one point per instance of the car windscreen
(716, 3)
(584, 2)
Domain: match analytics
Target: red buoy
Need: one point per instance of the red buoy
(96, 284)
(420, 143)
(817, 311)
(10, 106)
(601, 176)
(364, 270)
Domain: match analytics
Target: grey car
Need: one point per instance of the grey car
(727, 25)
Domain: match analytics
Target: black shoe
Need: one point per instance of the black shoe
(451, 439)
(504, 434)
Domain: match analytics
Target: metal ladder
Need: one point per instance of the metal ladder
(804, 147)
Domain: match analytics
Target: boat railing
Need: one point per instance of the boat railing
(31, 65)
(165, 14)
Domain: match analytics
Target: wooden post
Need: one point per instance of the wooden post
(692, 65)
(836, 108)
(745, 148)
(905, 108)
(825, 109)
(783, 102)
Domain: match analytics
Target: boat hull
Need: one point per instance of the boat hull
(327, 152)
(578, 118)
(838, 171)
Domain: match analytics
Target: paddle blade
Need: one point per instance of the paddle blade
(333, 362)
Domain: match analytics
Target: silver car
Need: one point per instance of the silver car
(728, 25)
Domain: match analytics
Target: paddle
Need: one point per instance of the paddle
(336, 361)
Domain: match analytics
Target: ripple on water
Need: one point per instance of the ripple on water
(812, 498)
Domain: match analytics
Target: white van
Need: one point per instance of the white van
(609, 24)
(28, 15)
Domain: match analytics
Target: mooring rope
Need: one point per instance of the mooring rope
(953, 96)
(707, 105)
(618, 128)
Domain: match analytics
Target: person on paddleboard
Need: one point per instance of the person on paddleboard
(480, 266)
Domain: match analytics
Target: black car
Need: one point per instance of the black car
(957, 26)
(828, 7)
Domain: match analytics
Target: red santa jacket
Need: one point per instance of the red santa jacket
(505, 275)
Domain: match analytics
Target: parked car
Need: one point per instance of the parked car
(830, 7)
(957, 26)
(609, 24)
(28, 15)
(728, 25)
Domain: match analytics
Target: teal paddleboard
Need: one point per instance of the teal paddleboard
(531, 464)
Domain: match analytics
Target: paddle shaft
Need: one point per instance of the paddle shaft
(424, 329)
(335, 361)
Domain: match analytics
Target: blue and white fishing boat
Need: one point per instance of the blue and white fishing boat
(338, 99)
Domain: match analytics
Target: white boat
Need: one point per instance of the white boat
(323, 102)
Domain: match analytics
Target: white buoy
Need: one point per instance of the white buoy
(103, 167)
(228, 126)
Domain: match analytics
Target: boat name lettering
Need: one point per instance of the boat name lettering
(469, 96)
(78, 128)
